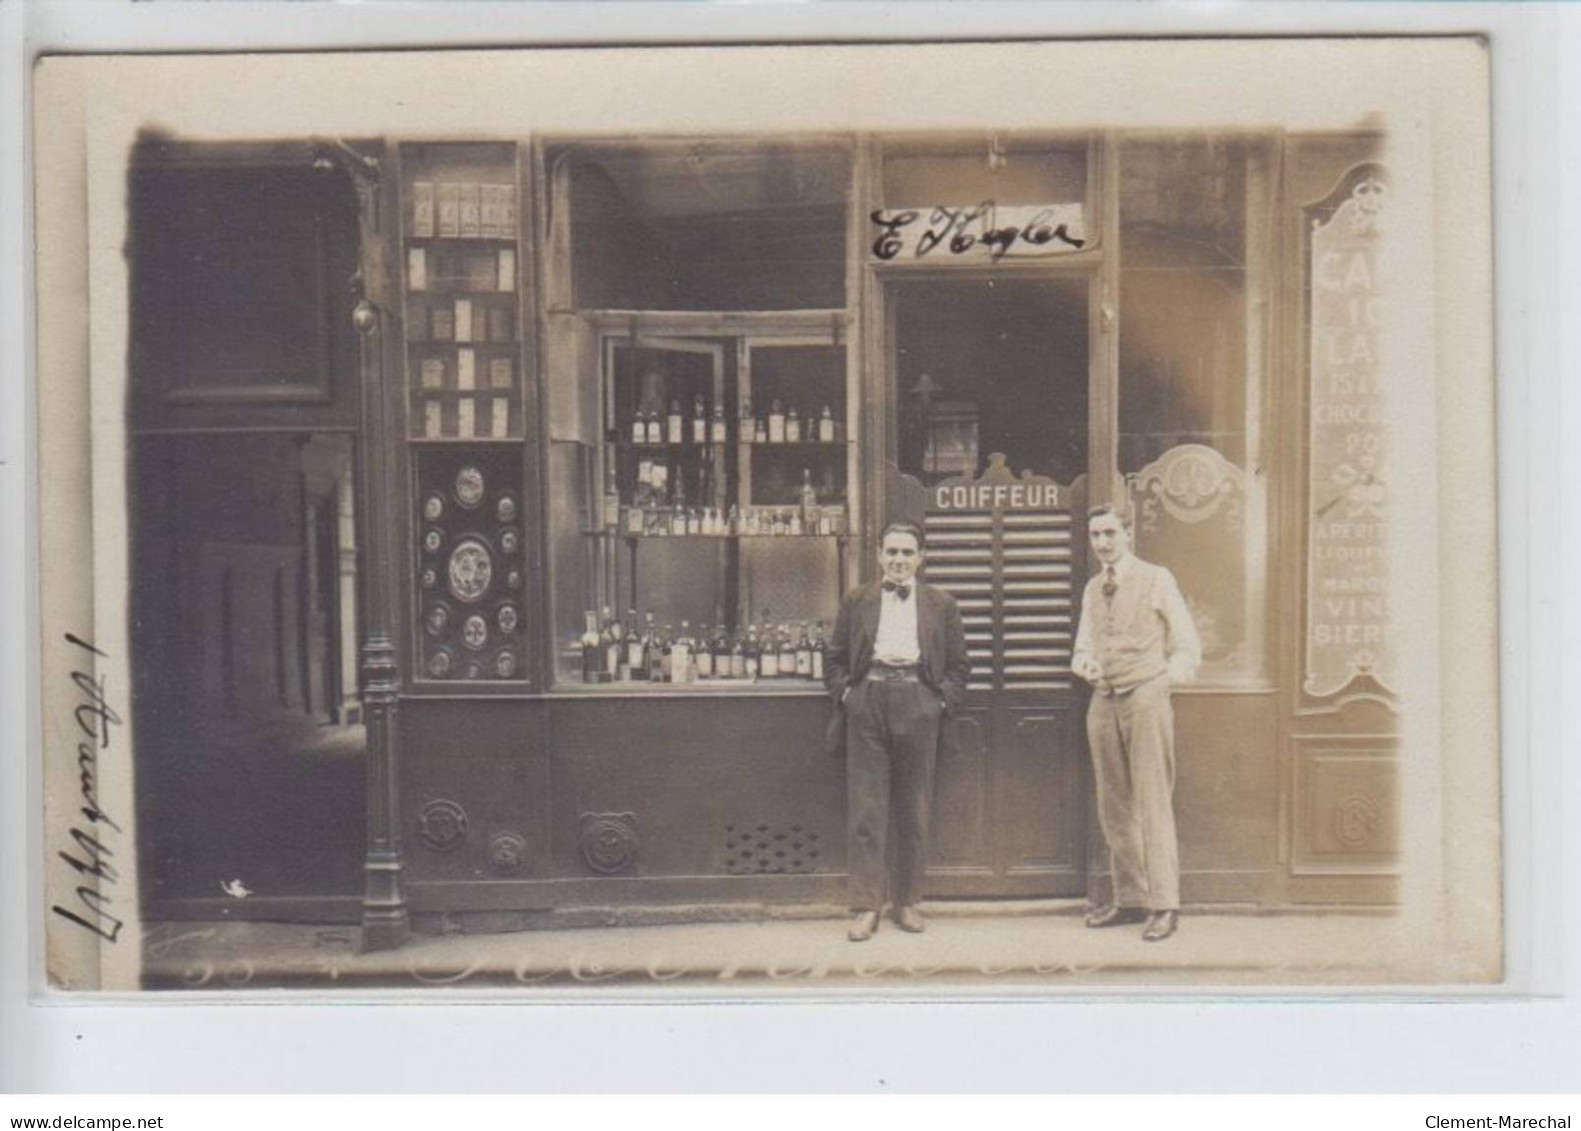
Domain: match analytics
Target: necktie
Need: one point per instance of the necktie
(1109, 583)
(899, 589)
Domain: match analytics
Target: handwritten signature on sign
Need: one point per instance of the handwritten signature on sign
(960, 230)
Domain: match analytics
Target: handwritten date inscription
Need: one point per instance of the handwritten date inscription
(977, 231)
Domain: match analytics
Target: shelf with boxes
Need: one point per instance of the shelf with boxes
(462, 291)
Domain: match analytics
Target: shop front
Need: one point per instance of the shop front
(633, 413)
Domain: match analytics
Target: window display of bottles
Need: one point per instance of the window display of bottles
(704, 423)
(643, 651)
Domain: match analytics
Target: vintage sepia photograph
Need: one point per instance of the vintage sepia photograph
(745, 521)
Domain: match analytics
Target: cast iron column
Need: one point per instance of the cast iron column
(384, 916)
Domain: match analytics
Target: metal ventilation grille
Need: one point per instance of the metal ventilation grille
(1011, 574)
(764, 849)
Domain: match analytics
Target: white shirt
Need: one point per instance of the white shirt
(897, 641)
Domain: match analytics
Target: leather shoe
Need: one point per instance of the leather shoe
(863, 926)
(1160, 926)
(908, 918)
(1112, 916)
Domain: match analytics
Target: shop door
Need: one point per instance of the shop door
(990, 395)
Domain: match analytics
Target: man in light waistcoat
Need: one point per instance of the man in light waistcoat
(1136, 639)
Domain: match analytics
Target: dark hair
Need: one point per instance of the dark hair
(902, 527)
(1119, 510)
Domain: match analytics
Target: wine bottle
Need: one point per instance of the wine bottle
(635, 666)
(776, 424)
(673, 432)
(769, 657)
(752, 655)
(804, 653)
(681, 655)
(719, 433)
(699, 422)
(592, 654)
(826, 426)
(650, 653)
(705, 654)
(819, 647)
(793, 427)
(738, 657)
(612, 646)
(787, 653)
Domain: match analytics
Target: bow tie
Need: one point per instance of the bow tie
(899, 589)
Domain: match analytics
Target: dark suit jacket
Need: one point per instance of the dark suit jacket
(945, 662)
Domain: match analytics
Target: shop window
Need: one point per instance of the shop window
(704, 225)
(712, 514)
(1194, 217)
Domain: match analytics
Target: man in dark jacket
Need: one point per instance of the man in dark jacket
(897, 664)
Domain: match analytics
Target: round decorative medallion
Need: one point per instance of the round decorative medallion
(474, 670)
(432, 541)
(507, 619)
(440, 662)
(507, 852)
(437, 619)
(514, 579)
(505, 509)
(443, 825)
(469, 487)
(475, 632)
(1355, 821)
(505, 664)
(433, 508)
(609, 842)
(509, 541)
(471, 569)
(430, 579)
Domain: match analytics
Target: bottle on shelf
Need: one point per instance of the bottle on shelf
(733, 522)
(794, 525)
(803, 653)
(639, 427)
(718, 432)
(699, 422)
(826, 426)
(705, 654)
(819, 647)
(787, 653)
(592, 654)
(672, 432)
(655, 429)
(650, 653)
(659, 658)
(760, 432)
(681, 655)
(752, 655)
(793, 426)
(746, 425)
(613, 646)
(776, 424)
(636, 665)
(809, 503)
(738, 656)
(769, 657)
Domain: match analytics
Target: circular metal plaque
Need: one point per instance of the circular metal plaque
(505, 509)
(505, 664)
(469, 486)
(508, 619)
(433, 540)
(509, 541)
(433, 508)
(475, 632)
(471, 568)
(437, 619)
(440, 662)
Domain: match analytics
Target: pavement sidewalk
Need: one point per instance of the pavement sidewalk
(981, 950)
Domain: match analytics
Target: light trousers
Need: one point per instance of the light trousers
(1132, 737)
